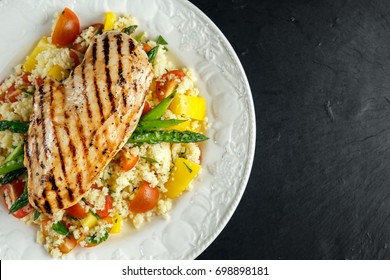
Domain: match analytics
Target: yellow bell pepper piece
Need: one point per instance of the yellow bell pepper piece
(109, 21)
(58, 73)
(190, 106)
(117, 226)
(31, 61)
(184, 171)
(90, 221)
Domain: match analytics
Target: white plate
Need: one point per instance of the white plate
(200, 215)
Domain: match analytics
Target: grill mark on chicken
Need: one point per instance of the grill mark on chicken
(121, 80)
(84, 87)
(131, 48)
(56, 189)
(42, 109)
(47, 207)
(94, 59)
(106, 52)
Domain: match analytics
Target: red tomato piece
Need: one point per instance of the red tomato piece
(146, 108)
(107, 208)
(68, 244)
(128, 161)
(14, 95)
(168, 82)
(145, 199)
(66, 29)
(76, 211)
(25, 78)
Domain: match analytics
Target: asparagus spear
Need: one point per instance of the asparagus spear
(12, 165)
(14, 126)
(9, 177)
(157, 112)
(171, 136)
(16, 152)
(157, 124)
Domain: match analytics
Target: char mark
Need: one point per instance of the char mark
(84, 87)
(106, 52)
(94, 50)
(70, 193)
(42, 110)
(47, 207)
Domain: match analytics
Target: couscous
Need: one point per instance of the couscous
(142, 180)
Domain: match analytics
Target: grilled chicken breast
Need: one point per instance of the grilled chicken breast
(78, 126)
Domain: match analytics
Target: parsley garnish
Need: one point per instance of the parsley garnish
(151, 160)
(36, 214)
(161, 41)
(60, 228)
(152, 53)
(189, 169)
(93, 239)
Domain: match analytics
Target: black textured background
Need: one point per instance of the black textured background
(320, 78)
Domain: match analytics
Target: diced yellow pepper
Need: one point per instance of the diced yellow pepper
(190, 106)
(90, 221)
(184, 171)
(31, 61)
(58, 73)
(117, 225)
(109, 21)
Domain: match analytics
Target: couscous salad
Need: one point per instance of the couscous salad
(98, 128)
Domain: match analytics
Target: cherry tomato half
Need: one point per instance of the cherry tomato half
(145, 199)
(76, 211)
(66, 29)
(127, 161)
(168, 82)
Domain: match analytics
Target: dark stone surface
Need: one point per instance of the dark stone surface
(320, 78)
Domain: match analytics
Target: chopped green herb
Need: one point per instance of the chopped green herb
(183, 154)
(139, 37)
(130, 29)
(96, 215)
(26, 91)
(161, 41)
(21, 202)
(95, 240)
(36, 214)
(60, 228)
(14, 126)
(152, 53)
(189, 169)
(151, 160)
